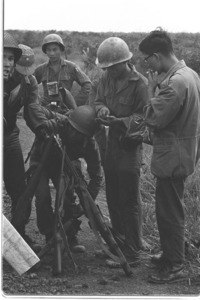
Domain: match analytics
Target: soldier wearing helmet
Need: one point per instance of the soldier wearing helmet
(20, 91)
(122, 91)
(77, 134)
(59, 73)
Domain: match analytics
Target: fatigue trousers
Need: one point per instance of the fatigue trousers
(122, 176)
(170, 218)
(14, 173)
(43, 202)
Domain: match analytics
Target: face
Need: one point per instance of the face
(8, 63)
(153, 62)
(53, 52)
(117, 71)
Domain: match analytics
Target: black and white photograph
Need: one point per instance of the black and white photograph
(100, 138)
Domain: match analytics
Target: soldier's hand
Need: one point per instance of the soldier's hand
(153, 80)
(113, 119)
(103, 113)
(42, 133)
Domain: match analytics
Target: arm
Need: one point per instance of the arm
(163, 108)
(126, 125)
(100, 103)
(38, 74)
(37, 116)
(93, 92)
(140, 101)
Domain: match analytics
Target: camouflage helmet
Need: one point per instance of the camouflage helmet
(82, 119)
(112, 51)
(52, 38)
(10, 43)
(26, 64)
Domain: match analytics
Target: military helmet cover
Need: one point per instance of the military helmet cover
(112, 51)
(52, 38)
(26, 64)
(10, 43)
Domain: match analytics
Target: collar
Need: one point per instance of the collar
(62, 62)
(18, 78)
(179, 65)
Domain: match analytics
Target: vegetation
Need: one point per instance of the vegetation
(83, 45)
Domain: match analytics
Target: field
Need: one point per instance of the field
(94, 278)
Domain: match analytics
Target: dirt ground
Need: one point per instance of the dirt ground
(93, 278)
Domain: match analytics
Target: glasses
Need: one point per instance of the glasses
(146, 58)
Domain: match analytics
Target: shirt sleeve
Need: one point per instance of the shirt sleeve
(141, 97)
(93, 92)
(164, 107)
(38, 74)
(33, 114)
(100, 99)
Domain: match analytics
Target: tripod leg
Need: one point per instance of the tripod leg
(58, 255)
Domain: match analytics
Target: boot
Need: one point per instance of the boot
(75, 247)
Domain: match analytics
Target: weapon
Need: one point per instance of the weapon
(29, 192)
(91, 210)
(95, 216)
(60, 235)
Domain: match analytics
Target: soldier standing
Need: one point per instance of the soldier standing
(122, 91)
(174, 115)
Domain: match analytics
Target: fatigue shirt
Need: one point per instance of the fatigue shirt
(131, 97)
(67, 75)
(22, 91)
(89, 151)
(174, 114)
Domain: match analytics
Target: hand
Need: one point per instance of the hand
(153, 80)
(101, 121)
(103, 113)
(41, 133)
(113, 120)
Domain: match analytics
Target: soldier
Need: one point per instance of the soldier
(77, 135)
(59, 73)
(173, 112)
(20, 91)
(122, 91)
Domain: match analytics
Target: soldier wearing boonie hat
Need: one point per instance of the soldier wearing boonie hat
(19, 92)
(26, 64)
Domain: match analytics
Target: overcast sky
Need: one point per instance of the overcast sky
(103, 15)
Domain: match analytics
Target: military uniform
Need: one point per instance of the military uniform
(19, 92)
(65, 77)
(122, 164)
(90, 153)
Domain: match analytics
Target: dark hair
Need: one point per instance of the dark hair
(156, 41)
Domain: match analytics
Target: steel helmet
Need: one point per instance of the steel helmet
(10, 43)
(82, 119)
(26, 64)
(52, 38)
(112, 51)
